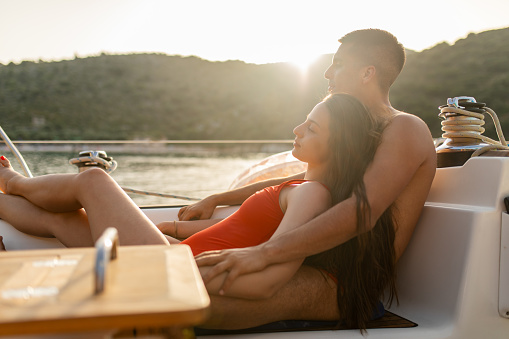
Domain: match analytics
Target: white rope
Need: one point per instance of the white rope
(462, 124)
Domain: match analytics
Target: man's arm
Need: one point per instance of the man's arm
(406, 146)
(263, 284)
(203, 209)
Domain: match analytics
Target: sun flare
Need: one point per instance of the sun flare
(304, 61)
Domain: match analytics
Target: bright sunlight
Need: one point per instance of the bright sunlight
(304, 61)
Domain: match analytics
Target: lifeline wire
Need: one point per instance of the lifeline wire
(164, 195)
(110, 166)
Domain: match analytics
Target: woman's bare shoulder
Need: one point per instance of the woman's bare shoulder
(312, 185)
(313, 189)
(310, 194)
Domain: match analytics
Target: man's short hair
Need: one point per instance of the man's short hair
(378, 48)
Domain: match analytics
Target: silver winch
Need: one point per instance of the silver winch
(89, 159)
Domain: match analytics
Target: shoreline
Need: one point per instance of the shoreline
(201, 147)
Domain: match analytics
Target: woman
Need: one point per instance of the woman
(338, 141)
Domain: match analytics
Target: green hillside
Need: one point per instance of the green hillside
(476, 66)
(155, 96)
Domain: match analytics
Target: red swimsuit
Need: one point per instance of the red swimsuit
(252, 224)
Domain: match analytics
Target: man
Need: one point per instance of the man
(365, 66)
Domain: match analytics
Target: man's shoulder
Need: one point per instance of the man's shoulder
(409, 134)
(407, 125)
(409, 120)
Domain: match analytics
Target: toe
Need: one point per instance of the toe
(5, 162)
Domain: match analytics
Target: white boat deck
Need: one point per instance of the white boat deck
(448, 278)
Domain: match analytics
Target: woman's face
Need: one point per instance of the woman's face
(312, 137)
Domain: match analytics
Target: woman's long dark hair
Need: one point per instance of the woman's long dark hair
(365, 265)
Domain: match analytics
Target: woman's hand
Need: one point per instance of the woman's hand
(233, 262)
(200, 210)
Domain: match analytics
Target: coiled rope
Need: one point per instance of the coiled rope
(465, 122)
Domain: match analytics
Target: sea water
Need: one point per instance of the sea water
(195, 176)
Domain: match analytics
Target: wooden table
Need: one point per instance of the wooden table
(52, 291)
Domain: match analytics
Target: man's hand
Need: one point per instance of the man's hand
(232, 262)
(200, 210)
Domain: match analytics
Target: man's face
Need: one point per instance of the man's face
(344, 74)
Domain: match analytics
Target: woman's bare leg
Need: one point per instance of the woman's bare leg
(106, 204)
(71, 228)
(54, 193)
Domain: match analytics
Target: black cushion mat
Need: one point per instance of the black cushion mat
(388, 320)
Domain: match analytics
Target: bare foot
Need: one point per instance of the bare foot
(2, 247)
(6, 174)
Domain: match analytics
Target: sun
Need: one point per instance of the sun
(304, 61)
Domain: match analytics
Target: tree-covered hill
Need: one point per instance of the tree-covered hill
(476, 66)
(155, 96)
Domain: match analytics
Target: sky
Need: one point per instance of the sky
(255, 31)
